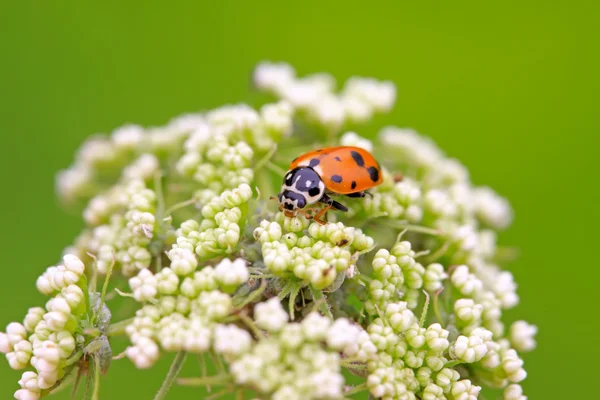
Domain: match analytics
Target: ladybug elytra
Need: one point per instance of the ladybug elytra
(315, 176)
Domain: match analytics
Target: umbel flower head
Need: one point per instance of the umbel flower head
(405, 290)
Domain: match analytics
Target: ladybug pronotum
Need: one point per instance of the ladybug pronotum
(317, 175)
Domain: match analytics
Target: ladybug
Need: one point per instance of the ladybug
(315, 176)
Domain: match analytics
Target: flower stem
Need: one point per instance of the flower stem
(425, 309)
(171, 376)
(118, 328)
(96, 393)
(73, 359)
(320, 301)
(220, 379)
(248, 321)
(357, 389)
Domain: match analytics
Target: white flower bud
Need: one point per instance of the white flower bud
(514, 392)
(273, 77)
(144, 286)
(231, 274)
(399, 316)
(20, 356)
(15, 333)
(473, 348)
(231, 340)
(492, 209)
(433, 392)
(183, 261)
(268, 232)
(467, 311)
(465, 282)
(74, 264)
(445, 378)
(269, 315)
(167, 281)
(247, 369)
(465, 390)
(29, 387)
(342, 334)
(213, 305)
(512, 366)
(352, 139)
(437, 338)
(145, 167)
(144, 353)
(434, 275)
(33, 317)
(315, 326)
(24, 394)
(522, 336)
(197, 336)
(327, 384)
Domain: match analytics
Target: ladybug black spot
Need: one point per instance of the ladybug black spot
(373, 173)
(338, 159)
(360, 161)
(353, 186)
(314, 191)
(314, 162)
(336, 178)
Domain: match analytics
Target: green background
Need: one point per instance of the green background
(510, 89)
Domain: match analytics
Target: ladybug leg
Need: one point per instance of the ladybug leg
(278, 202)
(360, 195)
(333, 204)
(322, 212)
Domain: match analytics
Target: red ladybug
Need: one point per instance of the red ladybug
(315, 176)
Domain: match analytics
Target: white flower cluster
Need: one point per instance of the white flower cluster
(122, 224)
(448, 193)
(183, 308)
(299, 360)
(411, 359)
(317, 257)
(314, 96)
(397, 276)
(219, 231)
(130, 151)
(401, 200)
(168, 206)
(220, 152)
(46, 338)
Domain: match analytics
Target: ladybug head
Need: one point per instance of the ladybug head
(301, 186)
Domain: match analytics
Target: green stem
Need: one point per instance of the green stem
(436, 306)
(203, 369)
(73, 359)
(357, 389)
(255, 295)
(250, 324)
(220, 379)
(412, 228)
(425, 308)
(261, 163)
(275, 168)
(96, 393)
(118, 328)
(438, 253)
(104, 288)
(452, 363)
(321, 301)
(177, 206)
(171, 376)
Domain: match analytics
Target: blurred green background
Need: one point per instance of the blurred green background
(510, 89)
